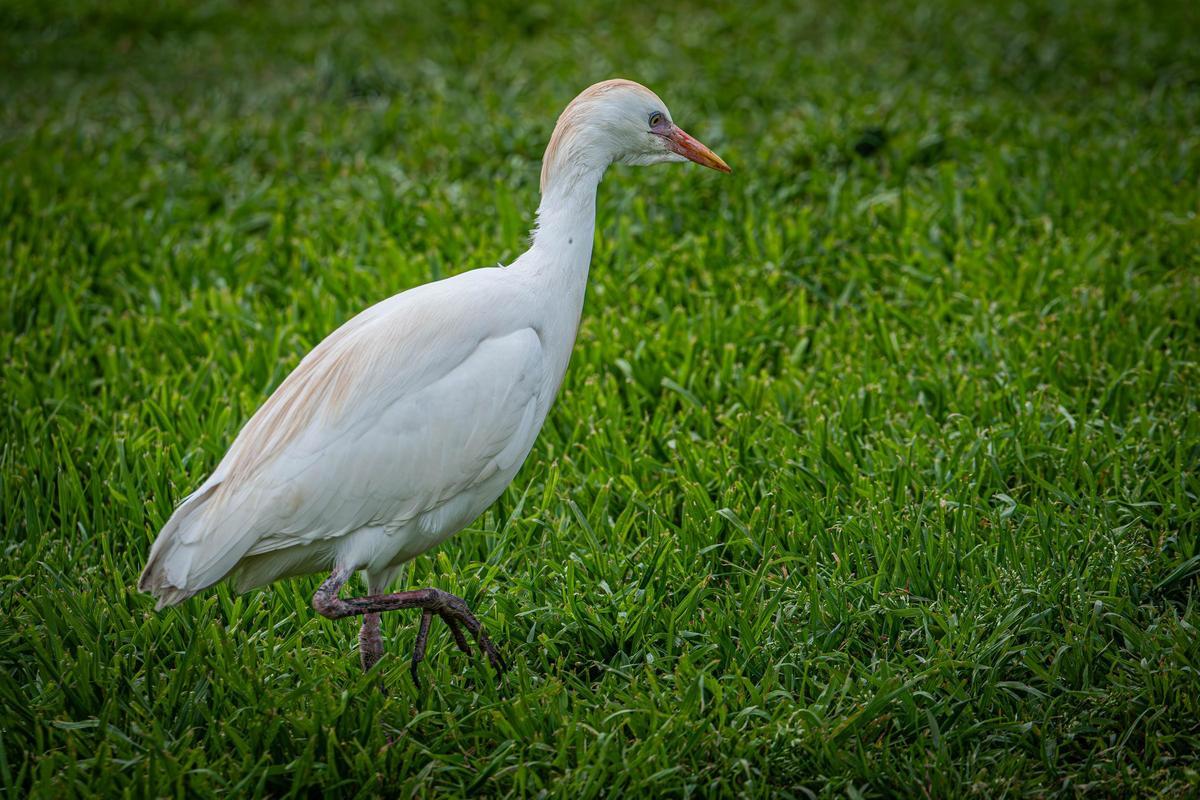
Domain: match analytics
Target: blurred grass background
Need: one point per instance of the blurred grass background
(874, 473)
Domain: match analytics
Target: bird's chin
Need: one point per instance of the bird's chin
(647, 159)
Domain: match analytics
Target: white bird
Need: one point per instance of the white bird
(408, 421)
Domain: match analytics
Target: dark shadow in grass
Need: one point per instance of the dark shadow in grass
(870, 141)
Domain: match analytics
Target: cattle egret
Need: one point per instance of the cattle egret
(408, 421)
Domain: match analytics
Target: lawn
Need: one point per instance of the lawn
(874, 473)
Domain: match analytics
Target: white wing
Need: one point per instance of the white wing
(413, 402)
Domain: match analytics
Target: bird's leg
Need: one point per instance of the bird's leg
(370, 641)
(453, 611)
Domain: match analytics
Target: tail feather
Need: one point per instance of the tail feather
(166, 575)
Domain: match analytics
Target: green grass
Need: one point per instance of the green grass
(874, 473)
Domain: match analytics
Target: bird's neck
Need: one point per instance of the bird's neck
(572, 166)
(557, 264)
(561, 251)
(566, 223)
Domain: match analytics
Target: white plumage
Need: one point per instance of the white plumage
(408, 421)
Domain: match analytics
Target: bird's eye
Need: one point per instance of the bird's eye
(656, 119)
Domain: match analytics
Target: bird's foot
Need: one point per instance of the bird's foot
(456, 614)
(452, 610)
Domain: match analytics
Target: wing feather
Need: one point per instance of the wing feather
(400, 410)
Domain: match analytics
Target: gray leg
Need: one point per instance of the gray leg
(370, 637)
(451, 609)
(370, 641)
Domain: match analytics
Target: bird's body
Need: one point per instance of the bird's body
(408, 421)
(387, 438)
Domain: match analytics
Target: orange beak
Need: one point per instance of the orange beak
(682, 143)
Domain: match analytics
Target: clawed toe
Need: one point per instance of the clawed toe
(451, 618)
(456, 632)
(497, 661)
(419, 647)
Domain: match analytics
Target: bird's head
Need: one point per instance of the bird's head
(618, 121)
